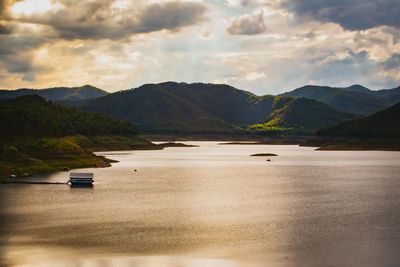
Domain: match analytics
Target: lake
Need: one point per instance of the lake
(212, 205)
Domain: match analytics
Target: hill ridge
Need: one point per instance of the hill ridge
(382, 124)
(355, 99)
(57, 93)
(195, 107)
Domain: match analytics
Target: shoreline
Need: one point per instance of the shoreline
(73, 152)
(329, 144)
(353, 144)
(26, 157)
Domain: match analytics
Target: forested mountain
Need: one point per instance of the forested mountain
(304, 115)
(174, 108)
(38, 136)
(57, 93)
(391, 96)
(194, 108)
(34, 116)
(354, 99)
(357, 88)
(383, 124)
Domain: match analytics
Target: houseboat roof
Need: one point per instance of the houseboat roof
(82, 175)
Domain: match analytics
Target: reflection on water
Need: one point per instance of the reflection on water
(142, 261)
(84, 186)
(212, 206)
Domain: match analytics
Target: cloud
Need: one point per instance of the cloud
(4, 29)
(17, 64)
(5, 6)
(119, 44)
(15, 44)
(393, 62)
(254, 76)
(169, 16)
(390, 68)
(350, 14)
(2, 6)
(248, 25)
(16, 55)
(29, 77)
(101, 20)
(244, 3)
(25, 29)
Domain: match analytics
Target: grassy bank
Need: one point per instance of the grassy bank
(30, 156)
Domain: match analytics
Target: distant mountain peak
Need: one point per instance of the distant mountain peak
(355, 99)
(358, 88)
(88, 86)
(57, 93)
(175, 108)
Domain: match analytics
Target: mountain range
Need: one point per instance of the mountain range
(57, 93)
(382, 124)
(172, 107)
(197, 108)
(355, 99)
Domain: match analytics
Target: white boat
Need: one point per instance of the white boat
(81, 178)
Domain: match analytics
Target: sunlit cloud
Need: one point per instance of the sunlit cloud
(34, 7)
(248, 25)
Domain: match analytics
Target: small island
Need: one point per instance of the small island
(174, 144)
(264, 155)
(242, 143)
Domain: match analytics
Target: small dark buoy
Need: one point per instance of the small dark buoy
(268, 160)
(135, 170)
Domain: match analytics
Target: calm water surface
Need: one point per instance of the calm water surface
(211, 205)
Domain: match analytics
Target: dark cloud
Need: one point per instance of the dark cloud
(2, 6)
(350, 14)
(16, 54)
(29, 77)
(5, 29)
(169, 16)
(14, 44)
(99, 20)
(248, 25)
(18, 63)
(395, 32)
(392, 63)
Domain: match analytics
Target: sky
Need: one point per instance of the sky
(263, 46)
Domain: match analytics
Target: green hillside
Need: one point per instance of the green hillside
(303, 115)
(170, 108)
(383, 124)
(390, 96)
(354, 99)
(38, 136)
(180, 107)
(29, 116)
(57, 93)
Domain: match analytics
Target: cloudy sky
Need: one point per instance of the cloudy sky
(264, 46)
